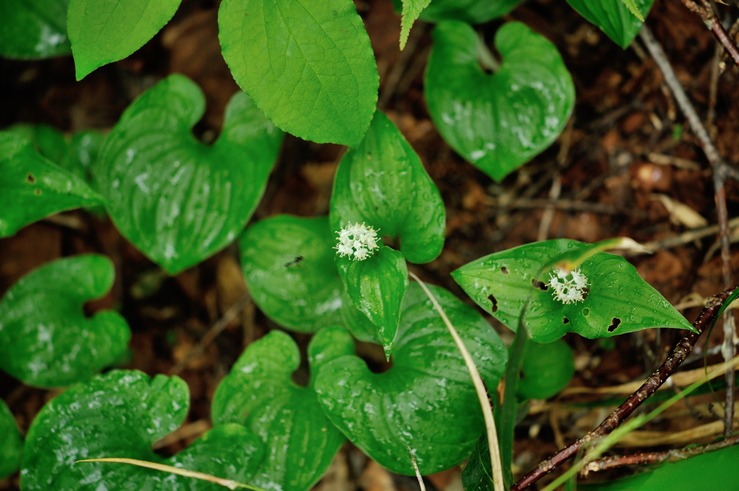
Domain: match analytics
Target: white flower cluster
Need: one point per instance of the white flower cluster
(357, 241)
(568, 287)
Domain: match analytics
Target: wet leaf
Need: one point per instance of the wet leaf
(497, 121)
(259, 394)
(45, 338)
(104, 31)
(546, 369)
(177, 200)
(425, 402)
(121, 414)
(33, 29)
(470, 11)
(32, 187)
(11, 444)
(614, 17)
(289, 267)
(513, 283)
(376, 287)
(383, 183)
(712, 470)
(308, 64)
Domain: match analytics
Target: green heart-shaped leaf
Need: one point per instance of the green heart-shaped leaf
(11, 444)
(259, 393)
(383, 183)
(470, 11)
(289, 267)
(121, 414)
(32, 187)
(515, 282)
(546, 369)
(176, 199)
(376, 287)
(498, 121)
(425, 402)
(103, 31)
(614, 17)
(45, 338)
(308, 64)
(33, 29)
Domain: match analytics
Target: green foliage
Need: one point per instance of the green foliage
(32, 187)
(715, 470)
(33, 29)
(11, 444)
(45, 338)
(308, 64)
(260, 395)
(497, 121)
(470, 11)
(546, 370)
(288, 263)
(177, 200)
(103, 31)
(620, 20)
(512, 286)
(424, 403)
(411, 10)
(123, 413)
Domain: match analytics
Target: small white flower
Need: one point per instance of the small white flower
(568, 287)
(357, 241)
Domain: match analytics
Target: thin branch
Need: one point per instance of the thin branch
(649, 387)
(719, 174)
(708, 16)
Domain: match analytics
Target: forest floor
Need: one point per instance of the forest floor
(626, 165)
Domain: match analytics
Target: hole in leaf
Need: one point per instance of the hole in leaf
(539, 284)
(493, 303)
(614, 324)
(565, 320)
(586, 312)
(294, 262)
(504, 270)
(30, 179)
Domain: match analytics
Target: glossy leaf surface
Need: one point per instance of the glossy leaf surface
(45, 338)
(103, 31)
(121, 414)
(308, 64)
(470, 11)
(425, 402)
(11, 444)
(613, 17)
(33, 29)
(259, 394)
(383, 183)
(177, 200)
(288, 263)
(498, 121)
(546, 369)
(513, 283)
(32, 187)
(376, 287)
(713, 470)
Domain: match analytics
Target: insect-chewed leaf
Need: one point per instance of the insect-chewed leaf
(514, 286)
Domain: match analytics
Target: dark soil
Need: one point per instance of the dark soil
(627, 154)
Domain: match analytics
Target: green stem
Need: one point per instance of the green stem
(509, 410)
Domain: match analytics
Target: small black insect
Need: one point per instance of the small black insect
(295, 261)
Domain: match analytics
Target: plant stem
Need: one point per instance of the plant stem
(713, 24)
(704, 321)
(719, 174)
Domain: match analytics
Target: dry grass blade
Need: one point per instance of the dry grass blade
(482, 394)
